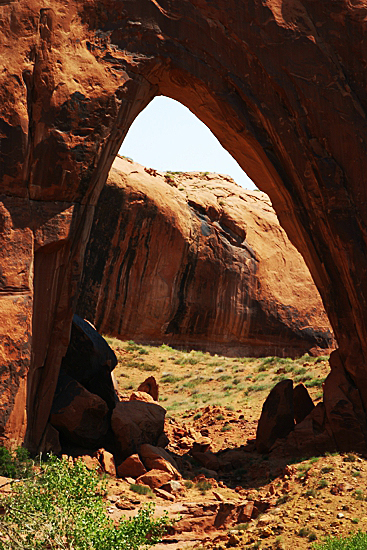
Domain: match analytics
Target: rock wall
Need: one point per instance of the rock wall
(194, 260)
(281, 83)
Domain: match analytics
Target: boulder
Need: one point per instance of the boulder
(106, 461)
(158, 459)
(154, 478)
(302, 403)
(135, 423)
(173, 486)
(311, 436)
(91, 462)
(208, 459)
(166, 495)
(132, 466)
(277, 416)
(90, 360)
(150, 386)
(79, 415)
(141, 396)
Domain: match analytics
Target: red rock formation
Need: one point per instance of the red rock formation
(282, 84)
(197, 261)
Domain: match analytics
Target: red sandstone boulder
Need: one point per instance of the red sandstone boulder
(302, 403)
(173, 486)
(208, 459)
(131, 467)
(158, 459)
(91, 462)
(106, 461)
(154, 478)
(211, 238)
(81, 416)
(141, 396)
(150, 386)
(135, 423)
(166, 495)
(277, 416)
(311, 436)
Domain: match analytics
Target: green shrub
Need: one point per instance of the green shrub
(357, 541)
(188, 484)
(170, 379)
(315, 383)
(226, 428)
(350, 458)
(322, 358)
(323, 483)
(257, 387)
(147, 367)
(62, 507)
(203, 486)
(15, 464)
(166, 348)
(141, 489)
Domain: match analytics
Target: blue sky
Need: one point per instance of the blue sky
(167, 136)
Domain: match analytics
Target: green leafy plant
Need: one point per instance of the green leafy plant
(62, 507)
(203, 486)
(15, 464)
(358, 541)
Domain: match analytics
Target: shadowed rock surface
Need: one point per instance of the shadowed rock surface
(277, 416)
(90, 361)
(282, 84)
(194, 260)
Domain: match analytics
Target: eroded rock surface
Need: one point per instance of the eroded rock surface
(195, 260)
(78, 414)
(282, 84)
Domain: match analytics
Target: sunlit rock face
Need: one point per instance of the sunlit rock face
(282, 84)
(194, 260)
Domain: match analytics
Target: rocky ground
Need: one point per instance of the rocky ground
(212, 482)
(249, 500)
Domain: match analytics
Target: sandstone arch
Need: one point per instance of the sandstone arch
(280, 83)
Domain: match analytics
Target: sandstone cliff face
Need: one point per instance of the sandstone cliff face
(281, 83)
(195, 260)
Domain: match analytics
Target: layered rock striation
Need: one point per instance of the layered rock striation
(194, 260)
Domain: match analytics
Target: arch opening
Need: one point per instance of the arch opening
(166, 136)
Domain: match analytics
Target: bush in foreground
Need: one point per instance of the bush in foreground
(62, 507)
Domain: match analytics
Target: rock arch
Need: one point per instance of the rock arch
(280, 83)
